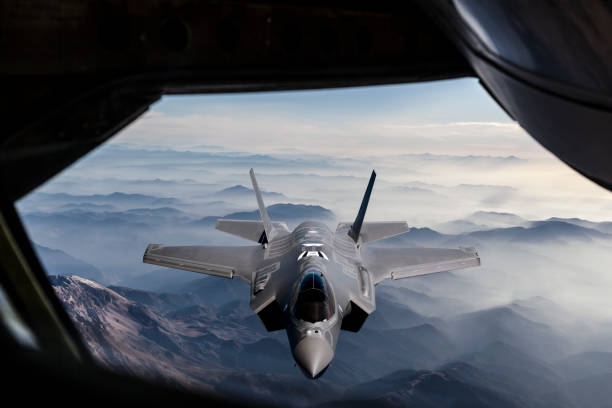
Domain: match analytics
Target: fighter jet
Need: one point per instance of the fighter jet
(312, 282)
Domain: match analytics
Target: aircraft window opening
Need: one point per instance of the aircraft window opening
(179, 205)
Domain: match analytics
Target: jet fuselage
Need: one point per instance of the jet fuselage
(313, 307)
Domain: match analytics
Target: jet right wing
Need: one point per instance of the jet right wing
(211, 260)
(398, 263)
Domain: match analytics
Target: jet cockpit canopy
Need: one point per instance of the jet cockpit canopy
(314, 303)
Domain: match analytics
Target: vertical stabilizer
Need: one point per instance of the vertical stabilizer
(268, 227)
(356, 227)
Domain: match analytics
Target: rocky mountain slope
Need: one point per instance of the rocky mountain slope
(207, 338)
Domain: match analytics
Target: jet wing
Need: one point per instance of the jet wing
(211, 260)
(398, 263)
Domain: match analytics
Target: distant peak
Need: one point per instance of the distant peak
(75, 279)
(237, 187)
(494, 213)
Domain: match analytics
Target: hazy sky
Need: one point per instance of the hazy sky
(448, 117)
(381, 127)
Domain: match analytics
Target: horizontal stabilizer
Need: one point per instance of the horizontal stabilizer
(375, 231)
(251, 230)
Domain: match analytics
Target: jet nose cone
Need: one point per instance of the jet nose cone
(313, 354)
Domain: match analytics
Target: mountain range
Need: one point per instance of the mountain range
(242, 192)
(204, 336)
(115, 239)
(290, 213)
(501, 335)
(57, 262)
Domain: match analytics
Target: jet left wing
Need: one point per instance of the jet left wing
(398, 263)
(211, 260)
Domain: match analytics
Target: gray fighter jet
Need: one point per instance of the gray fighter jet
(312, 282)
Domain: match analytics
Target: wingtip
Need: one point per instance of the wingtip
(147, 251)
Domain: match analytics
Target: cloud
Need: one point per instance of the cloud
(273, 132)
(531, 187)
(509, 126)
